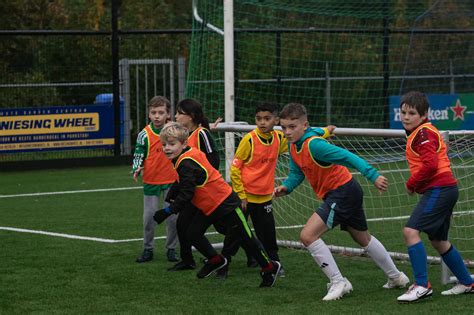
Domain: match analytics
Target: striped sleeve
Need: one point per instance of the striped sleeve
(141, 148)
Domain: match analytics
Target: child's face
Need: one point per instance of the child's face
(265, 121)
(158, 116)
(184, 119)
(172, 147)
(410, 117)
(293, 129)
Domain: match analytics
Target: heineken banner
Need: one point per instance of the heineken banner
(447, 111)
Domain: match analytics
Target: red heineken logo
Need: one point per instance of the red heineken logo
(458, 110)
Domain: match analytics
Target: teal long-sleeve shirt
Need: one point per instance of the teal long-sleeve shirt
(326, 153)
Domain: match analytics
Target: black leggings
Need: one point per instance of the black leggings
(236, 227)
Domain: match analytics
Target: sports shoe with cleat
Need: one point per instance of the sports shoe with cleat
(171, 255)
(180, 266)
(269, 277)
(146, 256)
(209, 268)
(338, 289)
(399, 282)
(415, 293)
(459, 289)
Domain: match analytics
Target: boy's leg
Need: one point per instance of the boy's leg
(171, 232)
(183, 222)
(455, 263)
(195, 232)
(150, 205)
(237, 224)
(264, 224)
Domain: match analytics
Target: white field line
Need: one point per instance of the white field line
(105, 240)
(70, 192)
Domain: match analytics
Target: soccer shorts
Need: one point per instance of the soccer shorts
(432, 214)
(343, 206)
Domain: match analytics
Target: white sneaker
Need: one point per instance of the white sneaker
(338, 289)
(459, 289)
(399, 282)
(415, 293)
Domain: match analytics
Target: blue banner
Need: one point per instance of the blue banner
(57, 128)
(447, 111)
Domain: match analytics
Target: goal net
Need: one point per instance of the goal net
(386, 213)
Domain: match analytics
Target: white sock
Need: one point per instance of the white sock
(380, 256)
(323, 257)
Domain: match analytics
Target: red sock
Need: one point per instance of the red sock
(216, 259)
(268, 267)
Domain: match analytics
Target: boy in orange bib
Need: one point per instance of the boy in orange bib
(203, 186)
(325, 167)
(430, 176)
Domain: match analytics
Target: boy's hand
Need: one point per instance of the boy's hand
(137, 173)
(381, 183)
(409, 191)
(279, 191)
(214, 124)
(331, 128)
(162, 215)
(243, 205)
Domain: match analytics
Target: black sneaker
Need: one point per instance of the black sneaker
(252, 263)
(183, 266)
(223, 272)
(171, 255)
(146, 256)
(209, 268)
(269, 277)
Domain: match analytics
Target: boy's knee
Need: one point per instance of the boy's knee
(307, 238)
(411, 236)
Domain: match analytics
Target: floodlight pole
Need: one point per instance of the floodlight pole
(229, 115)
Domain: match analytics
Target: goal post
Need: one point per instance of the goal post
(386, 213)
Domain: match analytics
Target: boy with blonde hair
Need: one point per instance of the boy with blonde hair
(203, 186)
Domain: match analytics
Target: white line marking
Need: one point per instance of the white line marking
(105, 240)
(70, 192)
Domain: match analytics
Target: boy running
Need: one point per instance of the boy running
(203, 186)
(325, 167)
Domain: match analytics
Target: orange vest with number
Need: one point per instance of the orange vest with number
(321, 178)
(258, 173)
(413, 158)
(209, 195)
(157, 169)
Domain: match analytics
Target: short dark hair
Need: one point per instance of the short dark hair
(267, 107)
(416, 100)
(158, 101)
(293, 111)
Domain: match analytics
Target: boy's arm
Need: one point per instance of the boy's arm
(323, 151)
(189, 174)
(295, 177)
(426, 143)
(242, 155)
(325, 132)
(141, 149)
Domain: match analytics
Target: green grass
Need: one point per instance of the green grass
(47, 274)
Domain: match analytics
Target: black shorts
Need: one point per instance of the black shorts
(432, 214)
(343, 206)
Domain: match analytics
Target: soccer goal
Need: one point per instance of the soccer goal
(386, 213)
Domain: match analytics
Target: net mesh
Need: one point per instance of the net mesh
(341, 59)
(386, 213)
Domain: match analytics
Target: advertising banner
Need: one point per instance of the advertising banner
(447, 111)
(56, 128)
